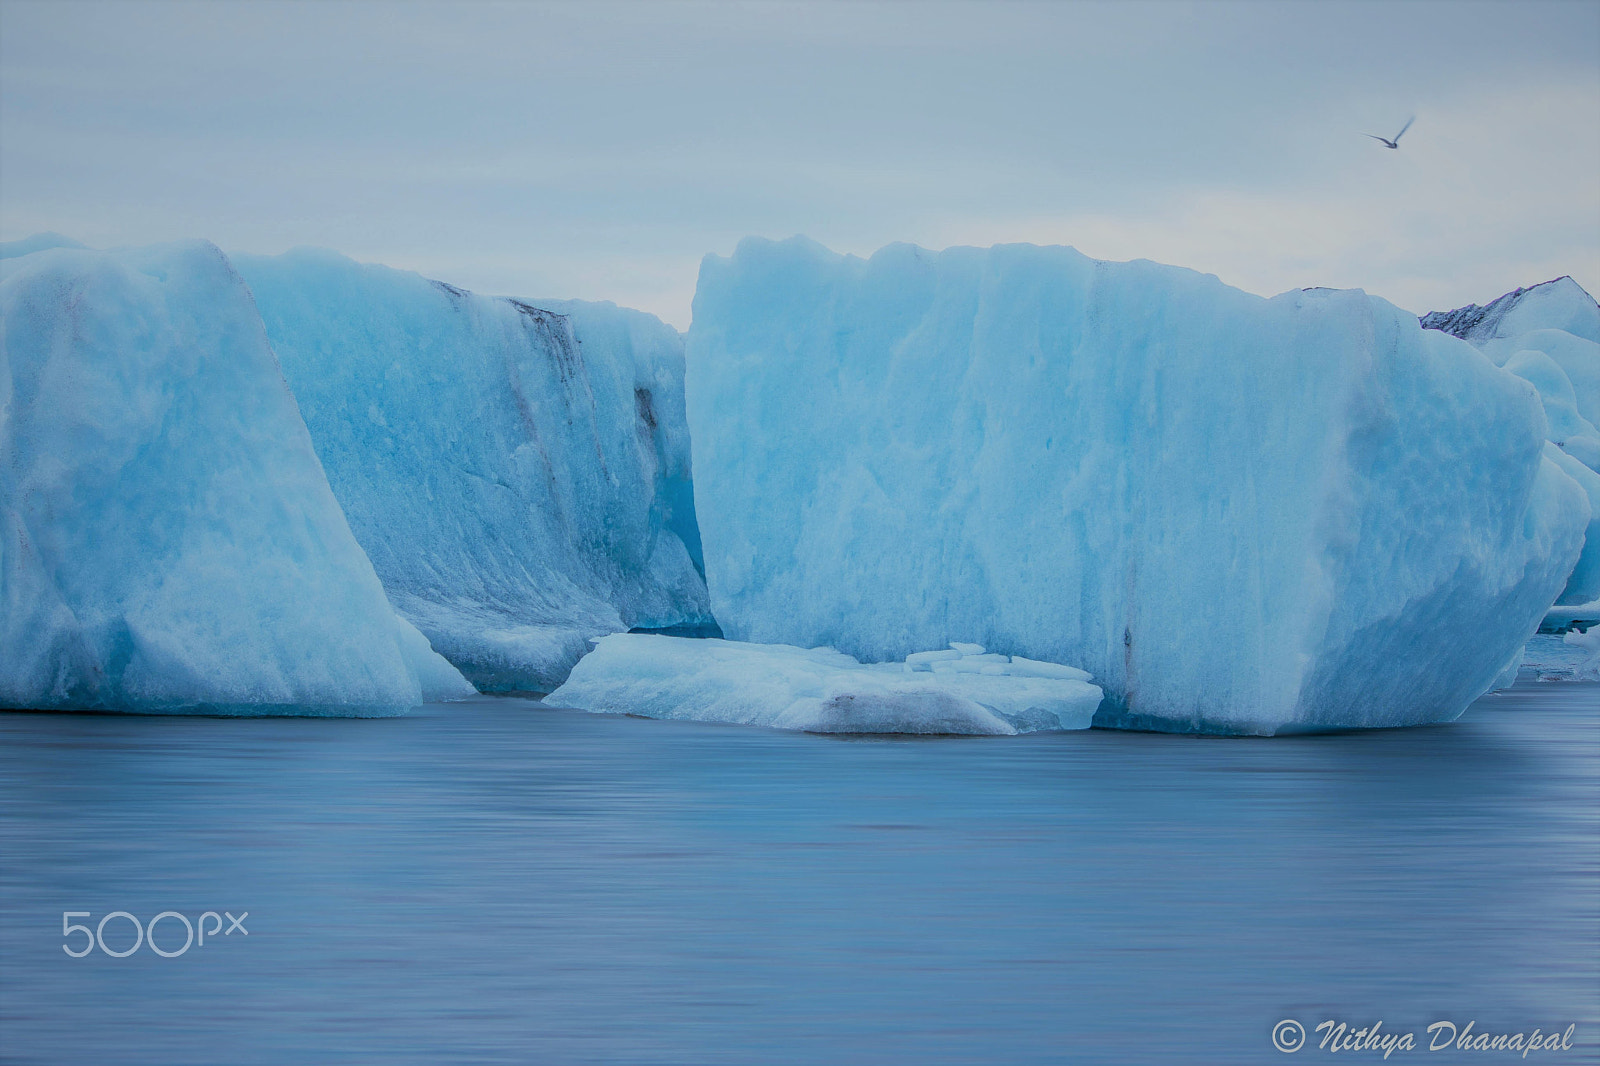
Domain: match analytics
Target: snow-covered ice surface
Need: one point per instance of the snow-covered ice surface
(168, 542)
(820, 690)
(1549, 335)
(517, 471)
(1241, 514)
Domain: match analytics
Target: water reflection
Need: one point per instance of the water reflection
(502, 882)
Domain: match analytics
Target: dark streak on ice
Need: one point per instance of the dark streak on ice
(1472, 320)
(647, 408)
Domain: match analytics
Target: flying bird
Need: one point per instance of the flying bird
(1387, 143)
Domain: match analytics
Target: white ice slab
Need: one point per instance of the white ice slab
(818, 690)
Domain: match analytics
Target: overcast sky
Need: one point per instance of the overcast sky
(599, 151)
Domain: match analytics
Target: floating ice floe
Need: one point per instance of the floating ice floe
(820, 690)
(1588, 644)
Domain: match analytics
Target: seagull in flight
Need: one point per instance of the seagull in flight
(1387, 143)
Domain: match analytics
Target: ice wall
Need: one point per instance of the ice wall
(517, 471)
(1239, 514)
(167, 539)
(1549, 335)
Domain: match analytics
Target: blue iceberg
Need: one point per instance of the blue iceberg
(518, 471)
(168, 542)
(1549, 335)
(1240, 514)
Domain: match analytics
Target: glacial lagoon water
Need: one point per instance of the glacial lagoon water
(498, 881)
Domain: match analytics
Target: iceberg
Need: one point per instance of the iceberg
(1549, 335)
(1561, 304)
(517, 471)
(1583, 583)
(39, 242)
(168, 542)
(820, 690)
(1242, 515)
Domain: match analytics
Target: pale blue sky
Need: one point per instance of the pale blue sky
(598, 151)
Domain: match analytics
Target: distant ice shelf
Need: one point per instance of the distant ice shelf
(960, 690)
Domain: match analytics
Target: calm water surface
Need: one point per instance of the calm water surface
(497, 881)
